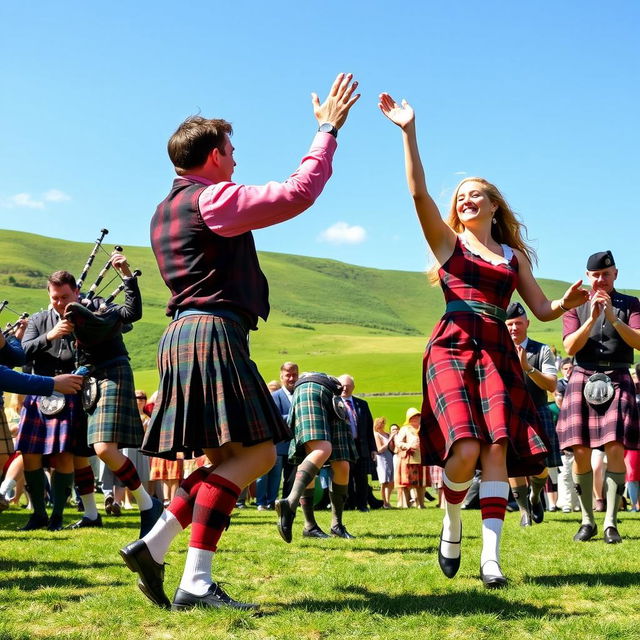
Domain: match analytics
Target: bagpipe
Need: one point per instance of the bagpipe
(93, 326)
(10, 329)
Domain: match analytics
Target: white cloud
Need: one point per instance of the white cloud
(55, 195)
(27, 201)
(24, 200)
(343, 233)
(459, 173)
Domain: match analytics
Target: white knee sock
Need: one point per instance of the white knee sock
(492, 527)
(89, 504)
(142, 498)
(196, 578)
(161, 535)
(451, 523)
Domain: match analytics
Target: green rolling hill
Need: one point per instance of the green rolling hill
(326, 315)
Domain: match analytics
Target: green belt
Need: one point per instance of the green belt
(483, 308)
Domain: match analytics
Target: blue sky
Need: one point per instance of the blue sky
(540, 98)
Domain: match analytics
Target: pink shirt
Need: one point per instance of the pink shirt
(230, 209)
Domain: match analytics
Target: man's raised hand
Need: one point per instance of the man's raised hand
(341, 98)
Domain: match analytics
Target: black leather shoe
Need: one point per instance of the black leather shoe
(149, 517)
(363, 509)
(55, 522)
(285, 519)
(537, 511)
(85, 522)
(611, 536)
(492, 581)
(214, 598)
(585, 532)
(315, 532)
(36, 521)
(449, 566)
(525, 519)
(340, 531)
(151, 574)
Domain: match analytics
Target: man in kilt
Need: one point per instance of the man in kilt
(541, 374)
(49, 349)
(211, 396)
(12, 354)
(113, 420)
(599, 408)
(321, 433)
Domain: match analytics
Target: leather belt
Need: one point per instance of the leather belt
(604, 364)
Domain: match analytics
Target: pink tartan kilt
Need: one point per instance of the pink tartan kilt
(580, 423)
(412, 475)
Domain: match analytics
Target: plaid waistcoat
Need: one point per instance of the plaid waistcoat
(202, 269)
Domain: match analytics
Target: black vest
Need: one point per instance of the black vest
(604, 342)
(202, 269)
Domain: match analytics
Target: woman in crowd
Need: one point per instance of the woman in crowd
(412, 474)
(476, 410)
(384, 460)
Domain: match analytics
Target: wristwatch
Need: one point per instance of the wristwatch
(327, 127)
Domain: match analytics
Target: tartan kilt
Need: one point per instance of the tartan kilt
(162, 469)
(210, 391)
(580, 423)
(312, 418)
(115, 417)
(65, 432)
(554, 457)
(473, 387)
(6, 441)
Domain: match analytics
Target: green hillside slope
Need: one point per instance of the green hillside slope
(326, 315)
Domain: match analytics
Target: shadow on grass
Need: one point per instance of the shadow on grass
(53, 565)
(381, 550)
(614, 579)
(35, 583)
(449, 604)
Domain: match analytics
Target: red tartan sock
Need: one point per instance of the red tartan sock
(85, 480)
(182, 505)
(493, 507)
(214, 503)
(128, 475)
(452, 496)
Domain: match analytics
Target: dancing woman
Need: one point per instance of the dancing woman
(476, 411)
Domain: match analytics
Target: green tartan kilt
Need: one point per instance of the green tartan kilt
(115, 417)
(312, 418)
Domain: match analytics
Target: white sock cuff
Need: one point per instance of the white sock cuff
(456, 486)
(494, 488)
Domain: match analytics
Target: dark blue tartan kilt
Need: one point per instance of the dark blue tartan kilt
(115, 417)
(66, 432)
(554, 457)
(312, 418)
(210, 391)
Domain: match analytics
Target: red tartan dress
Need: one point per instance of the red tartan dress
(473, 383)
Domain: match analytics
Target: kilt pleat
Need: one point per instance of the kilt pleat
(115, 418)
(580, 423)
(312, 418)
(554, 457)
(210, 391)
(6, 441)
(48, 435)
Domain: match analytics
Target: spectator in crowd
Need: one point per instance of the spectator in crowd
(384, 460)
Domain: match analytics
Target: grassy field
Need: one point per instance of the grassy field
(384, 585)
(326, 315)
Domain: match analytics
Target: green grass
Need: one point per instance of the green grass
(384, 585)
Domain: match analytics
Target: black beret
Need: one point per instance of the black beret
(601, 260)
(515, 310)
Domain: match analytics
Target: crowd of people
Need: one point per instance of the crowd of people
(485, 432)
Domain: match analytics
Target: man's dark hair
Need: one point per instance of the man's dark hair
(195, 139)
(60, 278)
(565, 361)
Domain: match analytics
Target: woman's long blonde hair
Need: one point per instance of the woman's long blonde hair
(379, 424)
(508, 228)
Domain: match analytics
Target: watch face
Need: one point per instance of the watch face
(326, 127)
